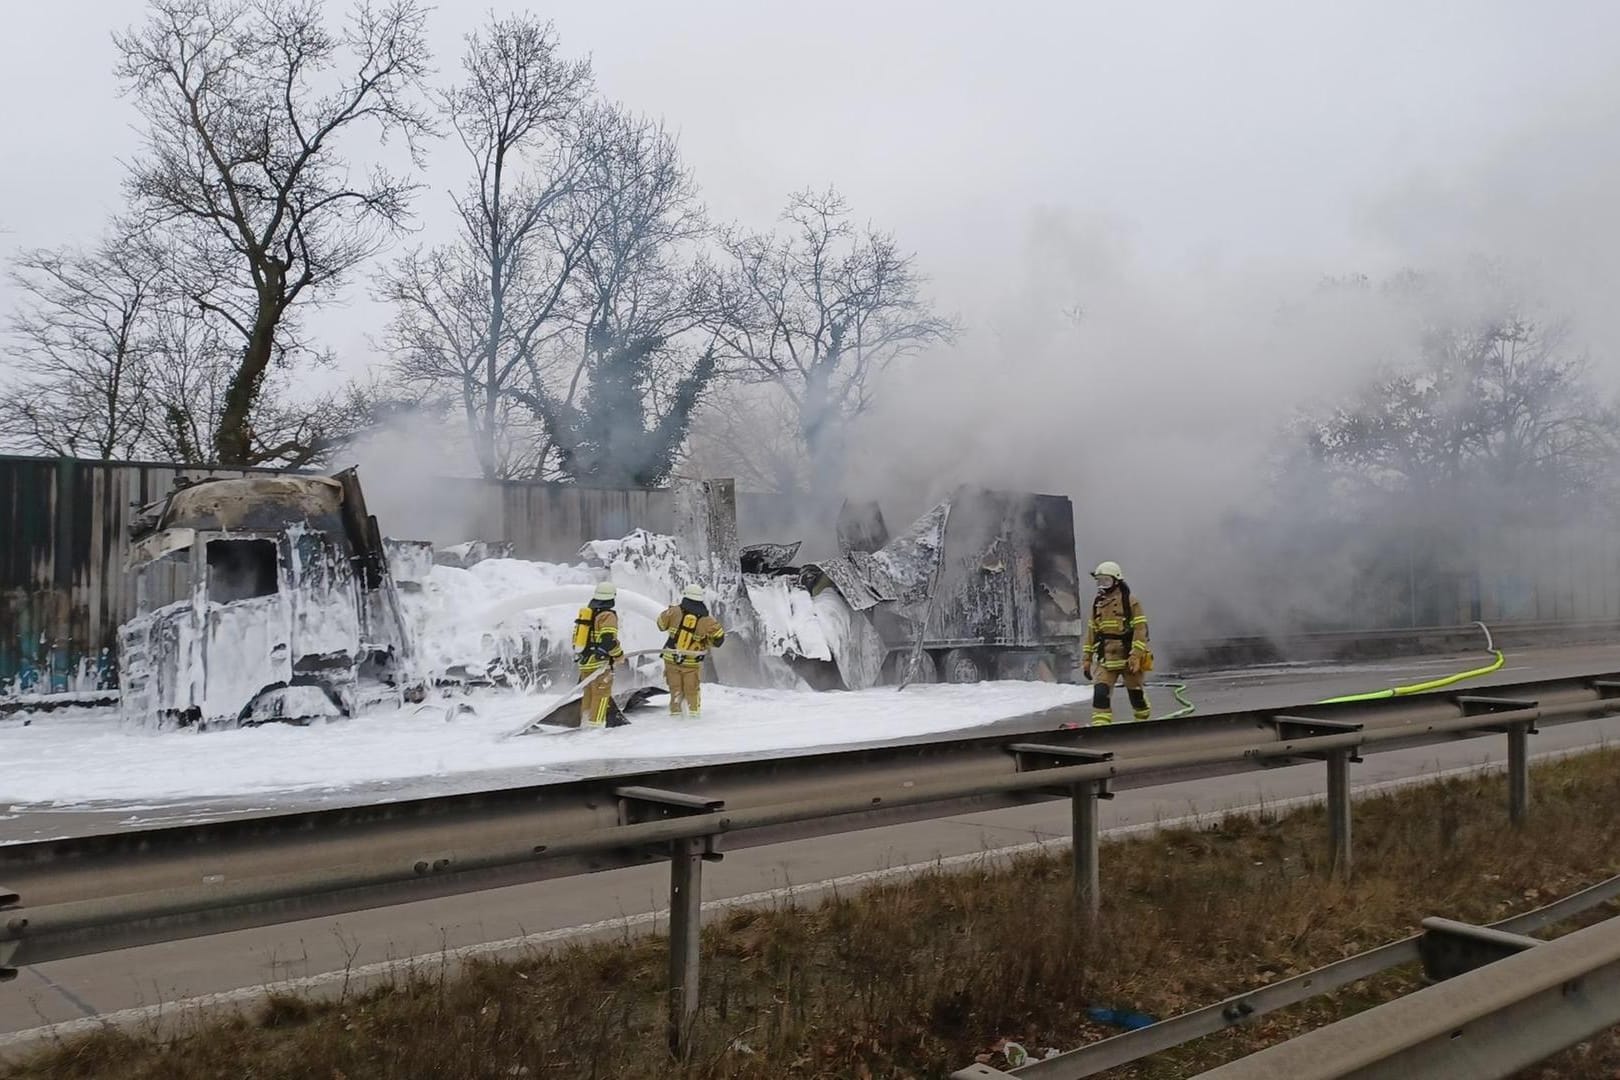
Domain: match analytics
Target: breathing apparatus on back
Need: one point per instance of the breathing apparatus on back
(588, 644)
(683, 638)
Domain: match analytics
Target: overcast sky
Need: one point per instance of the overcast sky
(1201, 134)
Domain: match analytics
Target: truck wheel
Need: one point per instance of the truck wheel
(894, 668)
(960, 666)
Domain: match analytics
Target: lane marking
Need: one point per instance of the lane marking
(146, 1014)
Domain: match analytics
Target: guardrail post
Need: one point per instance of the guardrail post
(1338, 804)
(1087, 844)
(1449, 948)
(641, 804)
(1083, 796)
(685, 935)
(1518, 733)
(13, 927)
(1518, 772)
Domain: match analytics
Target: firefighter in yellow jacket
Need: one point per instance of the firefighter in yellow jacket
(692, 633)
(1116, 645)
(596, 646)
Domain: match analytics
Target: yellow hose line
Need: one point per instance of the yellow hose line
(1432, 684)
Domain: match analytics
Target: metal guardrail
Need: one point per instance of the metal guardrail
(1240, 1009)
(99, 893)
(1490, 1022)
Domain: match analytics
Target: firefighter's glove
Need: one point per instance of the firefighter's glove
(1134, 664)
(1085, 670)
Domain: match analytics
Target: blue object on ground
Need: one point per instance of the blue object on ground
(1124, 1018)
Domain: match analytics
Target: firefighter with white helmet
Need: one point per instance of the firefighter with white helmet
(1116, 646)
(692, 633)
(596, 646)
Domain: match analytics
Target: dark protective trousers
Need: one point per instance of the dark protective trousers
(1102, 694)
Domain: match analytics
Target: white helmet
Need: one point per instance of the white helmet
(1108, 568)
(692, 592)
(605, 591)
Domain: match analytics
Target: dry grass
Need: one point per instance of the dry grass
(914, 979)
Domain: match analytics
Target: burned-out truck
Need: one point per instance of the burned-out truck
(273, 597)
(267, 597)
(983, 586)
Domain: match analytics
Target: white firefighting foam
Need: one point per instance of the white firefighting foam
(461, 620)
(82, 758)
(498, 609)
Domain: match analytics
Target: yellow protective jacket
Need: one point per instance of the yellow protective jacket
(1113, 632)
(596, 638)
(689, 632)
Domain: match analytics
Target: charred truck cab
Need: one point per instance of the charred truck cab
(262, 598)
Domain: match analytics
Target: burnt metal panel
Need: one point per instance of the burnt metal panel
(1008, 570)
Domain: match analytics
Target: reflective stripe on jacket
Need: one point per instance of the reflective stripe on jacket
(1113, 633)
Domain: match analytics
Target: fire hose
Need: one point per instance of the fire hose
(1179, 689)
(1432, 684)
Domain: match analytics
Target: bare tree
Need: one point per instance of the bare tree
(1497, 413)
(436, 341)
(192, 363)
(749, 432)
(191, 360)
(79, 358)
(642, 214)
(106, 361)
(822, 312)
(191, 368)
(471, 317)
(642, 362)
(246, 170)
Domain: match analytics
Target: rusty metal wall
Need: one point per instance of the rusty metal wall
(550, 522)
(63, 590)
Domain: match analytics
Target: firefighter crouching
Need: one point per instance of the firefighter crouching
(692, 633)
(1116, 645)
(596, 645)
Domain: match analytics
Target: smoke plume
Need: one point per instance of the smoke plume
(1158, 397)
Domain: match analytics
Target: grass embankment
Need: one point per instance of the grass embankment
(914, 979)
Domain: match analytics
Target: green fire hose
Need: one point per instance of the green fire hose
(1432, 684)
(1178, 688)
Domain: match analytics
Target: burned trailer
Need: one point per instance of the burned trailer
(262, 598)
(983, 586)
